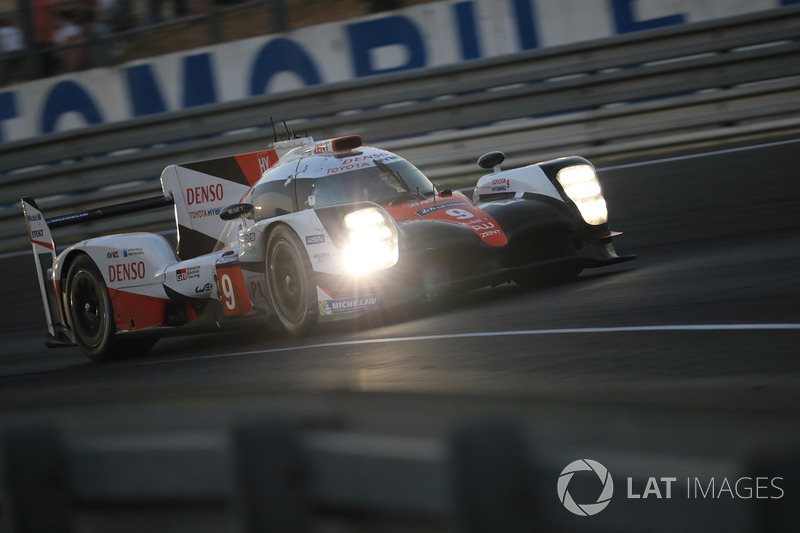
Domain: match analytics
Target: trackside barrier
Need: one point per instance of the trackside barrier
(269, 476)
(701, 83)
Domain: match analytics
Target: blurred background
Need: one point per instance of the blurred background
(461, 415)
(43, 38)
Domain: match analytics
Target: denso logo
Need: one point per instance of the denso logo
(207, 193)
(126, 271)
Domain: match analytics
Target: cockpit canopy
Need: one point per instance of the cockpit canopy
(321, 181)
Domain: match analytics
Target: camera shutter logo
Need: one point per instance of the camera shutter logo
(585, 509)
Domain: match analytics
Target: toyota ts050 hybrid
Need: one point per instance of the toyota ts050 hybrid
(312, 231)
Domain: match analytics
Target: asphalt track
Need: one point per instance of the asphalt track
(707, 317)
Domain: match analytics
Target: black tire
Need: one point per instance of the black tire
(88, 307)
(290, 282)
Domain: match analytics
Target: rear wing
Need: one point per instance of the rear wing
(201, 189)
(198, 191)
(44, 251)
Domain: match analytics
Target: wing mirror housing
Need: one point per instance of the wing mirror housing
(233, 211)
(491, 160)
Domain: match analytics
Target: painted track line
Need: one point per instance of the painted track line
(484, 334)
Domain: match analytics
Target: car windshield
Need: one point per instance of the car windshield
(383, 182)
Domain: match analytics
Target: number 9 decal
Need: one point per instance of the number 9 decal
(227, 291)
(233, 290)
(461, 214)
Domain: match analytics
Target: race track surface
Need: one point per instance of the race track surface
(708, 316)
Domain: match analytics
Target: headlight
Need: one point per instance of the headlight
(581, 185)
(373, 241)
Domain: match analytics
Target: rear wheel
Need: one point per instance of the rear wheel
(91, 317)
(88, 306)
(290, 281)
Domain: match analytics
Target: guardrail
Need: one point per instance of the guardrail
(270, 476)
(699, 83)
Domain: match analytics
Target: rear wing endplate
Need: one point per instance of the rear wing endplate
(44, 248)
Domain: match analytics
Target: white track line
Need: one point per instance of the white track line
(527, 332)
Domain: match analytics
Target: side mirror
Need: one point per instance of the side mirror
(491, 160)
(230, 212)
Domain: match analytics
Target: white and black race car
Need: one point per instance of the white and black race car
(312, 231)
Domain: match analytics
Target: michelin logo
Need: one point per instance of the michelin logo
(347, 305)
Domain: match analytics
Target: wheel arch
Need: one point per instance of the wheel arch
(64, 263)
(303, 324)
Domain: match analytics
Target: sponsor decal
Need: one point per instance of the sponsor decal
(130, 252)
(37, 233)
(35, 218)
(480, 225)
(500, 184)
(184, 274)
(353, 163)
(321, 148)
(202, 213)
(323, 257)
(205, 288)
(207, 193)
(433, 208)
(263, 161)
(348, 305)
(257, 290)
(315, 239)
(113, 255)
(228, 260)
(126, 271)
(345, 168)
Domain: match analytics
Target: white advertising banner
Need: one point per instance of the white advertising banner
(422, 36)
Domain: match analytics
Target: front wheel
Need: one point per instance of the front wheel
(88, 307)
(290, 282)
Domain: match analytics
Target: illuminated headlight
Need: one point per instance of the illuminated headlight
(373, 241)
(581, 185)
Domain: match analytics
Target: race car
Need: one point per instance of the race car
(312, 231)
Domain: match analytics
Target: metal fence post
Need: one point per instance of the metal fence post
(492, 479)
(272, 477)
(278, 16)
